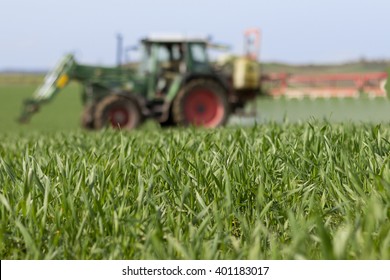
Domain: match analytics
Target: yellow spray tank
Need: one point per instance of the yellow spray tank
(246, 70)
(246, 73)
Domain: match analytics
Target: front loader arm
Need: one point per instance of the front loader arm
(54, 81)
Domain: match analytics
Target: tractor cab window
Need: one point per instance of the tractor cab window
(163, 58)
(198, 52)
(177, 55)
(170, 56)
(163, 55)
(199, 57)
(177, 52)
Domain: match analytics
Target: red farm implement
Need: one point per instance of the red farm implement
(325, 85)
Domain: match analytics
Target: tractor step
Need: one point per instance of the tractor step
(155, 108)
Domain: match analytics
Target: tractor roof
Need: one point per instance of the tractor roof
(166, 39)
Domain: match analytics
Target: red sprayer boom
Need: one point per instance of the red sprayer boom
(326, 85)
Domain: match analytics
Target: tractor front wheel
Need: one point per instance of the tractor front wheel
(201, 103)
(117, 112)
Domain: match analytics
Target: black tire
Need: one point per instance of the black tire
(87, 117)
(201, 102)
(118, 112)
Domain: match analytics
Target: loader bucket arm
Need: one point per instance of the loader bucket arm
(54, 81)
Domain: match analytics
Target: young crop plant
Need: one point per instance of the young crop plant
(274, 191)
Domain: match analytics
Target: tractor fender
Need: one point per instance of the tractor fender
(137, 98)
(180, 81)
(129, 95)
(208, 76)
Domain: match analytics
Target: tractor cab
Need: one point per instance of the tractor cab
(175, 54)
(164, 59)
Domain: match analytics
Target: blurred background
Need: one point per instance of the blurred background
(299, 37)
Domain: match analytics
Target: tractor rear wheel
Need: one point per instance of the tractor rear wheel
(117, 112)
(201, 103)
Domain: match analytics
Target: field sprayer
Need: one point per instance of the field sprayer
(174, 84)
(371, 84)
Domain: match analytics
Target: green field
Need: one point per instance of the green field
(63, 114)
(305, 180)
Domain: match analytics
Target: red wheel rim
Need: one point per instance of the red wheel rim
(203, 108)
(118, 117)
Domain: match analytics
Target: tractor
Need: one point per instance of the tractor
(174, 84)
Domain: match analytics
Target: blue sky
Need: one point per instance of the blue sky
(36, 34)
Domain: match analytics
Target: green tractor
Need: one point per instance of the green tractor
(175, 84)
